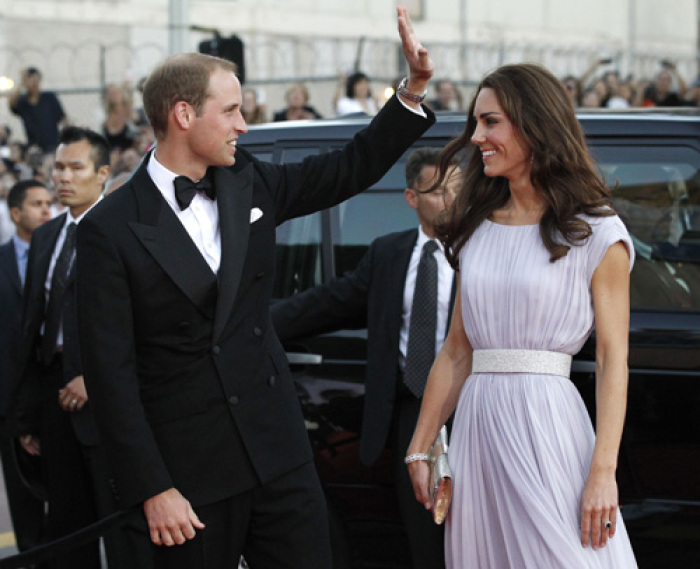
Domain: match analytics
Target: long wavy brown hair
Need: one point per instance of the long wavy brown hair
(562, 172)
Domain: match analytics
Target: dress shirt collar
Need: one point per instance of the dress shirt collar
(69, 216)
(21, 247)
(423, 238)
(163, 179)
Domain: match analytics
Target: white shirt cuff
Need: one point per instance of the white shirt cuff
(419, 111)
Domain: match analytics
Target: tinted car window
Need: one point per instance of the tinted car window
(298, 243)
(371, 214)
(291, 155)
(658, 199)
(298, 255)
(364, 218)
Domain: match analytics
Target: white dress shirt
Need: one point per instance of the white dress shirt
(445, 280)
(200, 220)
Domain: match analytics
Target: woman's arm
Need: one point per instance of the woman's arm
(610, 287)
(447, 376)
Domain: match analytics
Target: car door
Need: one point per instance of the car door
(657, 195)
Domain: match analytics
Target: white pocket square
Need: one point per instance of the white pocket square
(255, 214)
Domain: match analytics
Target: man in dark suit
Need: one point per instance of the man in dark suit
(29, 203)
(379, 295)
(195, 403)
(50, 410)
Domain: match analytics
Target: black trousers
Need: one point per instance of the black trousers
(426, 539)
(26, 510)
(79, 490)
(280, 525)
(68, 481)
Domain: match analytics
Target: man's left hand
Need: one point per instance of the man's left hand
(73, 396)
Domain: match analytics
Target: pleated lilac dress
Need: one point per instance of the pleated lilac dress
(522, 442)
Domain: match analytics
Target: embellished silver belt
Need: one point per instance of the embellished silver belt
(521, 361)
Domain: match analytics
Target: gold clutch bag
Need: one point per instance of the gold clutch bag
(440, 477)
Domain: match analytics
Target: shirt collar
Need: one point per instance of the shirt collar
(423, 238)
(163, 179)
(70, 219)
(21, 247)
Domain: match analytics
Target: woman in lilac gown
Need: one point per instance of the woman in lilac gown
(541, 256)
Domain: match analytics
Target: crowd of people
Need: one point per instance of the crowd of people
(596, 89)
(129, 134)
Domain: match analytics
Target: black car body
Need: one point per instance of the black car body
(654, 158)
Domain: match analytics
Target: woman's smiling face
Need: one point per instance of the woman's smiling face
(502, 150)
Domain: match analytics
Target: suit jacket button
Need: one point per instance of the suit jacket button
(257, 331)
(216, 350)
(259, 275)
(233, 400)
(271, 381)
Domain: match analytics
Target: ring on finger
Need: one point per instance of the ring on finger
(608, 524)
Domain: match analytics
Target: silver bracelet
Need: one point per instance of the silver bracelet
(415, 457)
(404, 92)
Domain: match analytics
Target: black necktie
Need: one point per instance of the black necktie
(420, 352)
(186, 189)
(52, 321)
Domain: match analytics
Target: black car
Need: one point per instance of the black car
(653, 161)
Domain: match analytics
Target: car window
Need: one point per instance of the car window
(658, 198)
(290, 155)
(357, 222)
(371, 214)
(298, 255)
(298, 243)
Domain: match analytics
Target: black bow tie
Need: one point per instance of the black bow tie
(186, 189)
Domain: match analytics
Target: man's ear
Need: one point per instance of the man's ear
(15, 214)
(411, 198)
(103, 174)
(182, 115)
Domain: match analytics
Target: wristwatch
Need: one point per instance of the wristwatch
(410, 96)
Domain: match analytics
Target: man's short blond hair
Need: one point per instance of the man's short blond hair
(183, 77)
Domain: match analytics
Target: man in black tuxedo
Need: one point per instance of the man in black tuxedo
(29, 203)
(193, 396)
(379, 295)
(50, 411)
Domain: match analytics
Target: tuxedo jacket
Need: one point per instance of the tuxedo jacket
(11, 310)
(370, 296)
(190, 385)
(29, 385)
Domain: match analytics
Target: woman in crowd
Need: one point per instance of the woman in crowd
(253, 111)
(358, 97)
(541, 256)
(298, 108)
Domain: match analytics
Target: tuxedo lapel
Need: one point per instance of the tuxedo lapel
(234, 196)
(165, 238)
